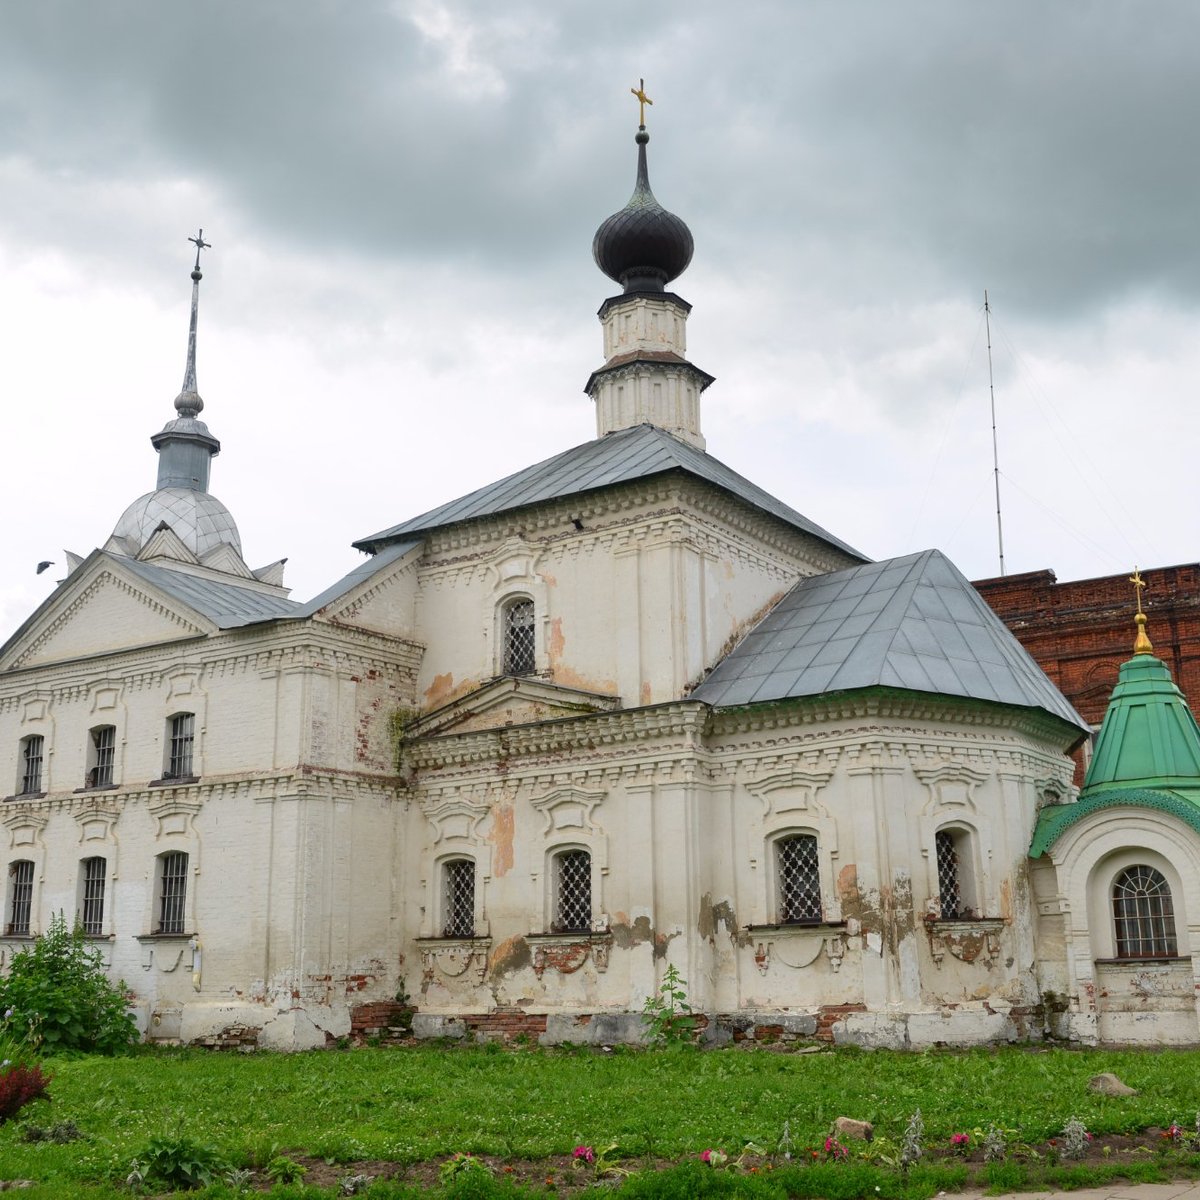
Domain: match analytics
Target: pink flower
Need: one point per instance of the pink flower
(584, 1154)
(714, 1158)
(959, 1139)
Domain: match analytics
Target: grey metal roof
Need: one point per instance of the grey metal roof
(913, 623)
(620, 457)
(225, 604)
(229, 606)
(360, 574)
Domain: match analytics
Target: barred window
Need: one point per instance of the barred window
(32, 749)
(179, 748)
(458, 898)
(950, 900)
(799, 878)
(172, 891)
(1143, 914)
(91, 907)
(104, 744)
(519, 657)
(20, 896)
(572, 892)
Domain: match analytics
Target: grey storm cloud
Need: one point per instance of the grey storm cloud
(1048, 150)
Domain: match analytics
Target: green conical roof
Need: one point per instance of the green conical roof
(1149, 738)
(1147, 754)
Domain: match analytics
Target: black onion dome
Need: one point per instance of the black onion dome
(643, 247)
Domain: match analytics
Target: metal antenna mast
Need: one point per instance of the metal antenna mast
(987, 316)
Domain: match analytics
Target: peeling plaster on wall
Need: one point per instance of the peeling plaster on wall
(847, 888)
(501, 836)
(712, 916)
(625, 936)
(511, 955)
(556, 643)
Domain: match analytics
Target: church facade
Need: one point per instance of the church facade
(620, 711)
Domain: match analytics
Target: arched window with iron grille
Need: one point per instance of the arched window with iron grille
(798, 879)
(1143, 914)
(519, 640)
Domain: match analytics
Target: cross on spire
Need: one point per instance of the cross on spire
(643, 100)
(200, 244)
(1138, 583)
(1141, 644)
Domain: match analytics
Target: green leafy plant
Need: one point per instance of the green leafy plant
(463, 1166)
(176, 1162)
(282, 1169)
(57, 995)
(667, 1014)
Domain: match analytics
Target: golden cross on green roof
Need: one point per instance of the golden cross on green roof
(1141, 644)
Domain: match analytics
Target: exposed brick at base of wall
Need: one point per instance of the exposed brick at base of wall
(829, 1014)
(383, 1020)
(386, 1019)
(506, 1023)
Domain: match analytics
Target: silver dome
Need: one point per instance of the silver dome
(199, 520)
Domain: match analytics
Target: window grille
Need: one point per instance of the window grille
(31, 764)
(458, 900)
(519, 638)
(20, 875)
(949, 880)
(172, 892)
(573, 892)
(91, 912)
(1143, 914)
(799, 880)
(104, 741)
(179, 762)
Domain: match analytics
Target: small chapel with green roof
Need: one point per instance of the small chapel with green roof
(1117, 869)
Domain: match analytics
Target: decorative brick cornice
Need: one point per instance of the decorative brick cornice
(680, 723)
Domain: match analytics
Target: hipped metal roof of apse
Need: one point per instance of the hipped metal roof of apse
(638, 452)
(913, 623)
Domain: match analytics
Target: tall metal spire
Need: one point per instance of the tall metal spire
(185, 446)
(188, 402)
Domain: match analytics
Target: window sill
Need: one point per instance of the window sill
(569, 936)
(476, 940)
(164, 937)
(176, 781)
(99, 787)
(18, 937)
(26, 796)
(819, 927)
(964, 924)
(1146, 961)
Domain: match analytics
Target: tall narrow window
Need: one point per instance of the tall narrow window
(799, 879)
(20, 896)
(104, 745)
(572, 892)
(949, 880)
(91, 907)
(458, 899)
(519, 638)
(172, 891)
(179, 749)
(31, 764)
(1143, 914)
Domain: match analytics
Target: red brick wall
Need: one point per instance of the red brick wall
(1081, 631)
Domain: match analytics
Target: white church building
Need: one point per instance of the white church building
(620, 710)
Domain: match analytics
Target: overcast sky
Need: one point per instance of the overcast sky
(399, 305)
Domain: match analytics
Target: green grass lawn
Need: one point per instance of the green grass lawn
(424, 1103)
